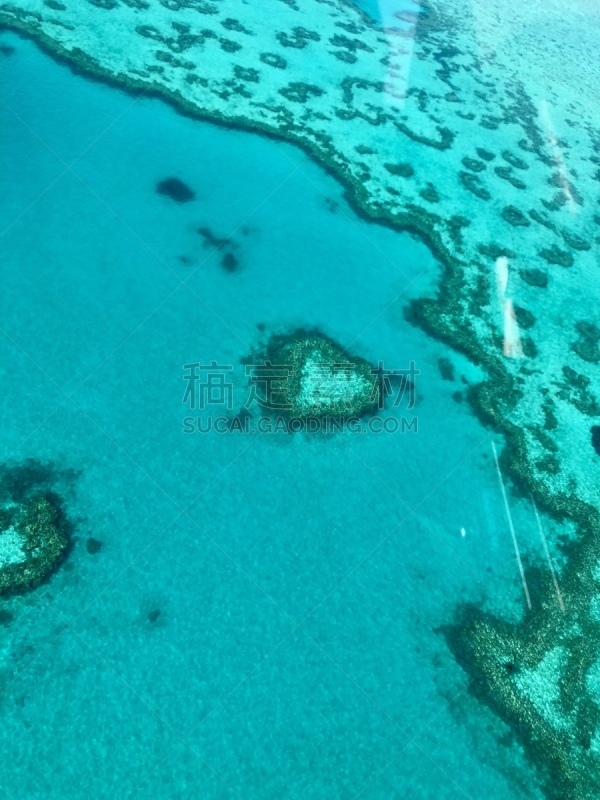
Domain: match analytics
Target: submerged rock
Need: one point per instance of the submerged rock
(33, 541)
(318, 378)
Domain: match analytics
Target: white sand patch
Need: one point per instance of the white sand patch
(327, 385)
(11, 547)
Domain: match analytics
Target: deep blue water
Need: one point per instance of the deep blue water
(299, 579)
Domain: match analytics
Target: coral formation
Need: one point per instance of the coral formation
(537, 674)
(33, 541)
(353, 108)
(318, 378)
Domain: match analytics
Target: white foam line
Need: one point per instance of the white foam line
(556, 152)
(549, 559)
(511, 526)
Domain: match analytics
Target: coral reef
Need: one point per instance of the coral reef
(35, 531)
(537, 674)
(33, 541)
(351, 104)
(318, 378)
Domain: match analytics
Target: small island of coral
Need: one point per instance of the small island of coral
(318, 378)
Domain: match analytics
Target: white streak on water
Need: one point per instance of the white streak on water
(549, 559)
(511, 526)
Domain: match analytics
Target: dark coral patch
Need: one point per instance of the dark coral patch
(495, 251)
(273, 60)
(246, 74)
(587, 345)
(472, 183)
(93, 546)
(485, 154)
(525, 318)
(446, 368)
(299, 92)
(230, 263)
(430, 194)
(514, 160)
(5, 617)
(595, 431)
(515, 217)
(535, 277)
(473, 164)
(554, 255)
(212, 240)
(506, 174)
(175, 189)
(576, 242)
(403, 170)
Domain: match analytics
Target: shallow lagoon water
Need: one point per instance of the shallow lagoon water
(299, 579)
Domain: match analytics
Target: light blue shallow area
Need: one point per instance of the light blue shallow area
(384, 12)
(300, 579)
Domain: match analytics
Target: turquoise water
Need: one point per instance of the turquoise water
(384, 12)
(299, 579)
